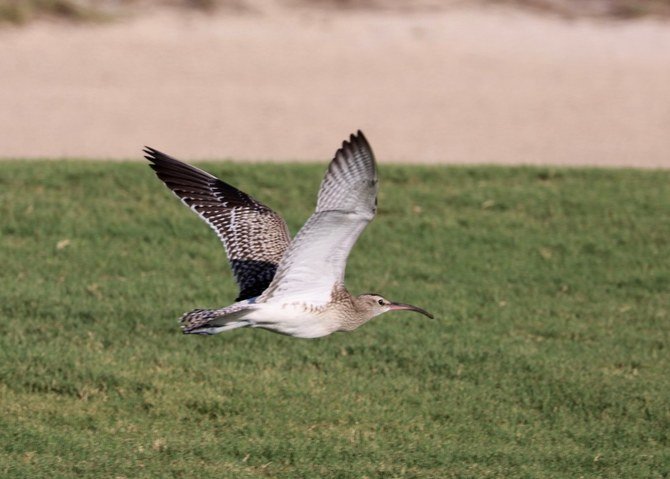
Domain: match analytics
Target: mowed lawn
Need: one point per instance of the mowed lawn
(549, 356)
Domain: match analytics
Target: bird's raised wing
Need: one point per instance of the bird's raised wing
(347, 202)
(254, 236)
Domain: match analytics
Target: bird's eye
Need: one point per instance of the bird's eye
(381, 302)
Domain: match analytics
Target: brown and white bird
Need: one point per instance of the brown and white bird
(289, 287)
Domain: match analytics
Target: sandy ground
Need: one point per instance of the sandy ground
(459, 85)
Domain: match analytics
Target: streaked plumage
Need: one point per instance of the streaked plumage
(290, 287)
(254, 236)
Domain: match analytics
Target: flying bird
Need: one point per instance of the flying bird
(293, 287)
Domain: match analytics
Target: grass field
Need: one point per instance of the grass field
(548, 357)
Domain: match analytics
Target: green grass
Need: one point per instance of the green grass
(548, 357)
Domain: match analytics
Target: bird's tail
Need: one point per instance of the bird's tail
(213, 321)
(196, 318)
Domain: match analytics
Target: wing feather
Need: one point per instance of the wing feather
(316, 259)
(255, 237)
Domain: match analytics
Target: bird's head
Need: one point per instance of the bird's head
(376, 304)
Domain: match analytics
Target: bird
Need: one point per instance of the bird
(292, 287)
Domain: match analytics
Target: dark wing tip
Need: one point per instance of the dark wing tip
(349, 177)
(167, 167)
(357, 142)
(355, 155)
(149, 153)
(156, 156)
(359, 138)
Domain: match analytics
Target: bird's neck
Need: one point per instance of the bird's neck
(351, 312)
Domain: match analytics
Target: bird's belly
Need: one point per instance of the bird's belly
(292, 321)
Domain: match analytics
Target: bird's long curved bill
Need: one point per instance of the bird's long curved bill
(409, 307)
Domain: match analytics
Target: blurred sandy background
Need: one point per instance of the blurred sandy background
(430, 82)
